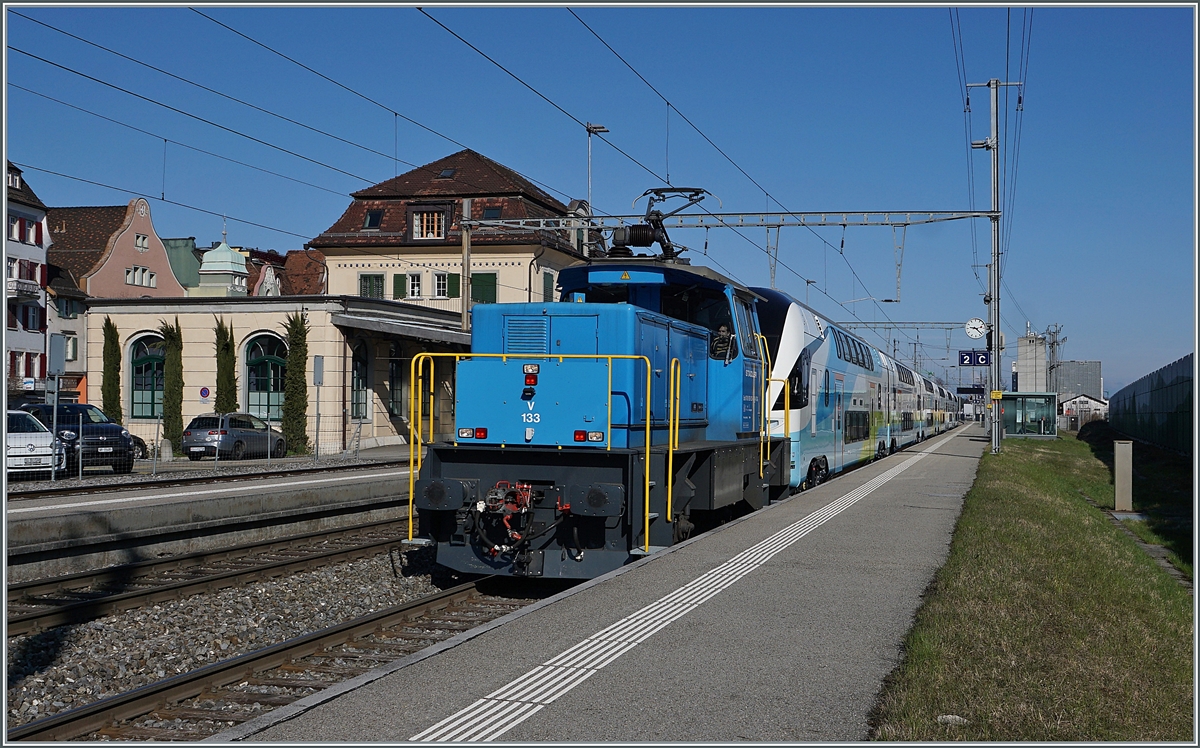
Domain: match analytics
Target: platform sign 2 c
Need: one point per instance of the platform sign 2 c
(974, 358)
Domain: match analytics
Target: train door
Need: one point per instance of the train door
(839, 386)
(813, 402)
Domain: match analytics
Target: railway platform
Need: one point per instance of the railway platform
(60, 534)
(780, 626)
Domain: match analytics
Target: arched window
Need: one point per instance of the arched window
(266, 363)
(358, 381)
(146, 366)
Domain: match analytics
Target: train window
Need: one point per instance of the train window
(928, 386)
(706, 307)
(744, 320)
(837, 339)
(827, 388)
(608, 293)
(859, 358)
(797, 383)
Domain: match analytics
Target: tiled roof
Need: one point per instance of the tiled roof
(80, 236)
(62, 284)
(473, 175)
(303, 273)
(24, 195)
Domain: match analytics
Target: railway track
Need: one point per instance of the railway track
(206, 701)
(42, 604)
(196, 480)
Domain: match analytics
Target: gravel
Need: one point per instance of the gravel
(70, 666)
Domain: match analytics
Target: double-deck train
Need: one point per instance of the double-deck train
(615, 421)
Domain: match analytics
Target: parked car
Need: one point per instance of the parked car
(104, 442)
(30, 447)
(140, 452)
(234, 435)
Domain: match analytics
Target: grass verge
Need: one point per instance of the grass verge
(1162, 490)
(1046, 623)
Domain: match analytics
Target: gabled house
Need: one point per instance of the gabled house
(113, 251)
(25, 289)
(402, 239)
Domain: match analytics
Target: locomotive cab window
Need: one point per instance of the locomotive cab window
(746, 328)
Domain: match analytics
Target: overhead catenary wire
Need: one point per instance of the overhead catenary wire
(175, 142)
(786, 266)
(391, 157)
(190, 115)
(728, 158)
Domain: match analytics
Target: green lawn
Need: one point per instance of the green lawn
(1047, 622)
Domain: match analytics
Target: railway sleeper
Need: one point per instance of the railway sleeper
(243, 697)
(296, 683)
(140, 732)
(192, 714)
(402, 649)
(414, 636)
(347, 672)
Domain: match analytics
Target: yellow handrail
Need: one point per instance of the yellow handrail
(672, 429)
(416, 415)
(787, 406)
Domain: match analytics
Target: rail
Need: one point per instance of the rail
(146, 699)
(416, 413)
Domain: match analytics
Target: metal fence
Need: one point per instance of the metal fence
(330, 437)
(1158, 407)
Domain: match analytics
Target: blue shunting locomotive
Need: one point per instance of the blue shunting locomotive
(611, 423)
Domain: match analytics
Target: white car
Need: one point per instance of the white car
(31, 446)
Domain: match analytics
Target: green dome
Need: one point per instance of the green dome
(222, 259)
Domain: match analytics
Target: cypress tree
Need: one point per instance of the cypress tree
(226, 369)
(172, 336)
(294, 422)
(110, 380)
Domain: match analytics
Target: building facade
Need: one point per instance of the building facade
(25, 290)
(402, 239)
(366, 347)
(1071, 378)
(1031, 369)
(113, 251)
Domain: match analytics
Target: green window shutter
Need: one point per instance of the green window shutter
(452, 285)
(399, 286)
(547, 286)
(483, 288)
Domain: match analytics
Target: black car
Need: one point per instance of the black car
(104, 442)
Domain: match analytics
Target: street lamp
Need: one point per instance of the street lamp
(592, 130)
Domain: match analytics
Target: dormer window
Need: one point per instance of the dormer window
(428, 224)
(446, 173)
(491, 214)
(373, 220)
(14, 180)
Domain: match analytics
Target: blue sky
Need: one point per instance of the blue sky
(837, 109)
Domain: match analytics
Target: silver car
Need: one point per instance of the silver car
(231, 436)
(30, 446)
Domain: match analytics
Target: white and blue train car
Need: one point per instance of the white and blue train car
(848, 402)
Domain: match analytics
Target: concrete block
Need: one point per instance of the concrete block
(1123, 475)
